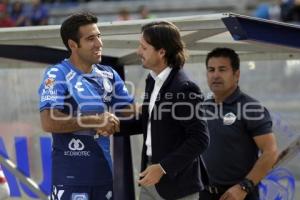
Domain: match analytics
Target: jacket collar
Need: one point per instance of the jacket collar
(169, 79)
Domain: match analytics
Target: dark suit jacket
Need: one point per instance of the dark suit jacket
(179, 135)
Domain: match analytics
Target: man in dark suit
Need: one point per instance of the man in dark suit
(175, 134)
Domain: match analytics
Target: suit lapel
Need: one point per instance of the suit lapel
(148, 90)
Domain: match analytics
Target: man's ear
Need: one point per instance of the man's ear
(237, 75)
(72, 44)
(162, 52)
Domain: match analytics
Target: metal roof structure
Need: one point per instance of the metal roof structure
(252, 38)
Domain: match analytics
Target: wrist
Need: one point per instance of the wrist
(99, 118)
(247, 185)
(90, 121)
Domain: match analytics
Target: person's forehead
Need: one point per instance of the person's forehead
(88, 29)
(143, 41)
(219, 58)
(224, 61)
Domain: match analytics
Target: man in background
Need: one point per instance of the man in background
(240, 128)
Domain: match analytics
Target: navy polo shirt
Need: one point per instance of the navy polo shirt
(232, 125)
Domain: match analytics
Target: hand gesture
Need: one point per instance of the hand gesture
(109, 124)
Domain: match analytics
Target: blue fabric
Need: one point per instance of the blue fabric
(78, 158)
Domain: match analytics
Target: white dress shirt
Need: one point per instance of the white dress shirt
(159, 81)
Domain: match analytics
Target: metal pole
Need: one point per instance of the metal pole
(288, 153)
(8, 164)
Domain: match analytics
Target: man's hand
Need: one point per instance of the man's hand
(234, 193)
(151, 175)
(109, 124)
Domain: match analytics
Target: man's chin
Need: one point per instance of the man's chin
(145, 67)
(98, 60)
(216, 89)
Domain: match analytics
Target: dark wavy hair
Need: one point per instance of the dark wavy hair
(70, 27)
(165, 35)
(226, 53)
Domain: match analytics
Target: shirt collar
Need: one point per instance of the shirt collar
(234, 96)
(162, 76)
(68, 62)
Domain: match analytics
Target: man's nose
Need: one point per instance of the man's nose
(216, 74)
(99, 42)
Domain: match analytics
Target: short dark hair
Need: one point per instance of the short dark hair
(70, 27)
(226, 53)
(165, 35)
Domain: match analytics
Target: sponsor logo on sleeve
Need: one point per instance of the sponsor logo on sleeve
(49, 83)
(48, 95)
